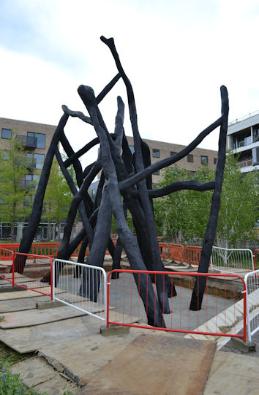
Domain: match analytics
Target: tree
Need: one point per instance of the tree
(57, 197)
(16, 191)
(239, 205)
(184, 215)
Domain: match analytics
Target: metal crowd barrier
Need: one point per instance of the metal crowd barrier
(80, 286)
(37, 267)
(230, 259)
(219, 306)
(252, 284)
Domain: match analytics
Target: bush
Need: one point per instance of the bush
(10, 384)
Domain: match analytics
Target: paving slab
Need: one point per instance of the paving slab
(81, 358)
(37, 374)
(21, 319)
(152, 365)
(7, 306)
(30, 339)
(22, 294)
(233, 373)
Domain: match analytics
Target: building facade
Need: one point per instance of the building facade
(192, 162)
(243, 141)
(34, 140)
(34, 137)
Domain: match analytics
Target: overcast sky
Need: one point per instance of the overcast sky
(176, 53)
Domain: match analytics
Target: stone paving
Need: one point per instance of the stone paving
(70, 351)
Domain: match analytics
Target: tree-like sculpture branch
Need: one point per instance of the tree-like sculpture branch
(125, 184)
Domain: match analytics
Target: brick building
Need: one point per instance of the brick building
(160, 150)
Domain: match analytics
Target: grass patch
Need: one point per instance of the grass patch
(11, 384)
(9, 357)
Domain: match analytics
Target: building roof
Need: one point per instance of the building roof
(243, 123)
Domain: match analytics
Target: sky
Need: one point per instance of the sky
(177, 54)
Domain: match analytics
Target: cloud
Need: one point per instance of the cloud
(177, 54)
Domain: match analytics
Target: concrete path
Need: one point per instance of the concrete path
(152, 365)
(37, 374)
(8, 306)
(73, 348)
(233, 374)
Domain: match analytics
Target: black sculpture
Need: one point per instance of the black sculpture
(126, 175)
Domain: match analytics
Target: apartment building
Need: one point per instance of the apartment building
(35, 139)
(161, 150)
(243, 141)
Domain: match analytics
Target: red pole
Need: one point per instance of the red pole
(13, 258)
(51, 279)
(108, 300)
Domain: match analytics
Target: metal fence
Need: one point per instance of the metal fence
(37, 274)
(6, 265)
(80, 286)
(37, 267)
(252, 284)
(219, 308)
(232, 260)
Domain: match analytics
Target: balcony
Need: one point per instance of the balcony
(243, 143)
(245, 163)
(28, 142)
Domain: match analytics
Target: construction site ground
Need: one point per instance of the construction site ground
(67, 353)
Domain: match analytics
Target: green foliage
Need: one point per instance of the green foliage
(57, 197)
(239, 204)
(184, 215)
(10, 384)
(13, 168)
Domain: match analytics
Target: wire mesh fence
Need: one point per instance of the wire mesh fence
(80, 286)
(223, 303)
(252, 284)
(230, 260)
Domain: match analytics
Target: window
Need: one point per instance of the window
(29, 178)
(255, 134)
(39, 160)
(6, 133)
(215, 161)
(5, 155)
(156, 173)
(190, 158)
(155, 153)
(172, 153)
(40, 139)
(35, 160)
(204, 160)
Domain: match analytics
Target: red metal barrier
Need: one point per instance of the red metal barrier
(192, 255)
(36, 267)
(220, 307)
(176, 252)
(49, 249)
(6, 264)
